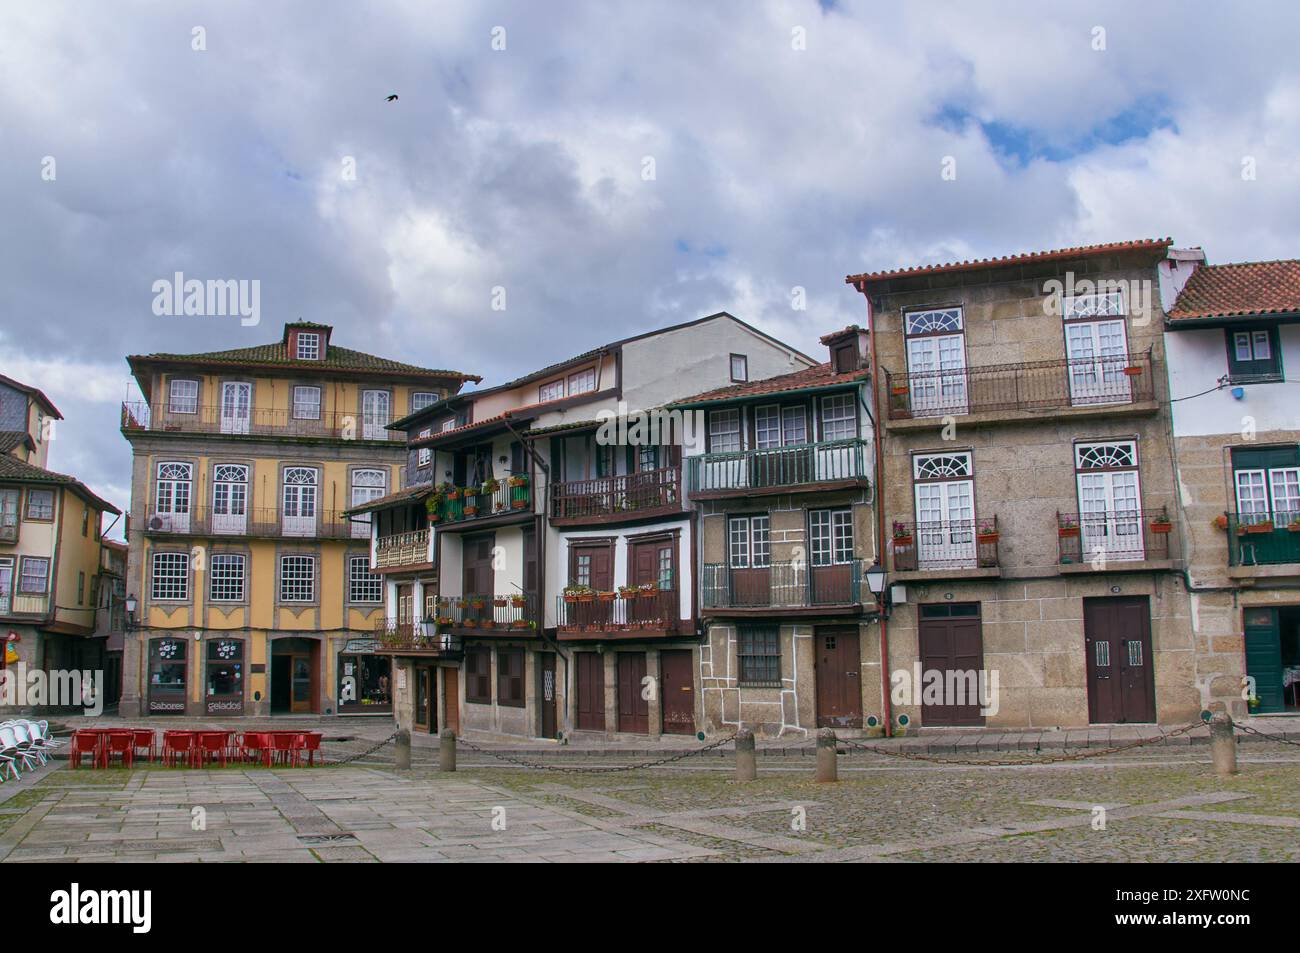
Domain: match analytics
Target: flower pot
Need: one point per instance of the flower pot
(606, 596)
(1068, 532)
(899, 391)
(519, 624)
(1266, 527)
(1294, 528)
(902, 542)
(986, 537)
(1132, 371)
(1221, 522)
(570, 598)
(587, 597)
(500, 603)
(518, 504)
(1159, 527)
(471, 509)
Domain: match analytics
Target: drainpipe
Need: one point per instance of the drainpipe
(885, 707)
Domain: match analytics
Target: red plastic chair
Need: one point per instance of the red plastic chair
(253, 746)
(288, 748)
(311, 744)
(84, 742)
(120, 743)
(211, 747)
(176, 744)
(143, 740)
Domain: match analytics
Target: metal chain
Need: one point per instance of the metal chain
(1265, 734)
(594, 769)
(356, 757)
(1047, 759)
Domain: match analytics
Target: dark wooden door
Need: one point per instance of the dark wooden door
(1264, 658)
(839, 683)
(546, 692)
(952, 643)
(591, 566)
(451, 694)
(426, 699)
(590, 678)
(677, 686)
(1121, 683)
(476, 573)
(633, 709)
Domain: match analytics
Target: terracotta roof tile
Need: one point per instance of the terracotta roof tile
(15, 470)
(1246, 288)
(1055, 254)
(277, 355)
(823, 375)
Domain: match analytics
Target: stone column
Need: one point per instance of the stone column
(611, 692)
(656, 702)
(827, 768)
(746, 762)
(1223, 741)
(134, 677)
(403, 690)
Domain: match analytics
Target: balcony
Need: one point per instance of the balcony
(626, 614)
(630, 496)
(512, 496)
(417, 638)
(256, 522)
(18, 603)
(1269, 538)
(515, 612)
(1009, 391)
(785, 586)
(832, 464)
(946, 548)
(1131, 538)
(138, 416)
(403, 549)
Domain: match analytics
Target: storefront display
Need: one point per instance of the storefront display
(365, 684)
(168, 667)
(223, 692)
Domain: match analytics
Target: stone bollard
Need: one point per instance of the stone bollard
(1223, 741)
(447, 751)
(746, 763)
(827, 769)
(402, 748)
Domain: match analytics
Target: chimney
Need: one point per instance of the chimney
(849, 349)
(1174, 271)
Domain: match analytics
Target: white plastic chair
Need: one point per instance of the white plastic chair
(10, 745)
(48, 738)
(25, 742)
(37, 737)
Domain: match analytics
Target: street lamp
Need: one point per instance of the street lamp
(130, 611)
(876, 580)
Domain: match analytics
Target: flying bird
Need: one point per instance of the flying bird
(391, 99)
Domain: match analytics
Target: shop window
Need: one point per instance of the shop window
(365, 684)
(223, 692)
(167, 675)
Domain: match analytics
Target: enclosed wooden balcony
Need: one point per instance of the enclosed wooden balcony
(831, 464)
(628, 496)
(403, 549)
(24, 603)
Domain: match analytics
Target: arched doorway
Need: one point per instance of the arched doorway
(295, 676)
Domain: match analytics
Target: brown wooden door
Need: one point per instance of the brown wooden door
(451, 694)
(1121, 683)
(426, 699)
(546, 692)
(633, 709)
(476, 573)
(952, 642)
(837, 665)
(591, 566)
(590, 678)
(677, 687)
(404, 604)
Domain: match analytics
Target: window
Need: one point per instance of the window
(1110, 500)
(226, 578)
(1254, 355)
(724, 431)
(364, 683)
(308, 346)
(297, 578)
(81, 588)
(229, 497)
(1268, 485)
(760, 656)
(647, 458)
(424, 456)
(551, 391)
(367, 485)
(838, 419)
(582, 382)
(936, 362)
(739, 367)
(172, 496)
(363, 585)
(40, 504)
(749, 542)
(225, 673)
(832, 536)
(375, 417)
(10, 499)
(510, 677)
(1106, 304)
(478, 678)
(184, 397)
(306, 402)
(845, 358)
(421, 399)
(85, 521)
(34, 578)
(300, 501)
(582, 569)
(171, 577)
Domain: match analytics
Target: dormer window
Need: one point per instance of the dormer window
(739, 367)
(308, 346)
(1253, 355)
(844, 358)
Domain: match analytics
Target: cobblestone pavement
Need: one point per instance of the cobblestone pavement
(1158, 803)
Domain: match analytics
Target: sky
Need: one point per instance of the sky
(602, 169)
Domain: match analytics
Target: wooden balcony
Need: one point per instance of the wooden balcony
(403, 549)
(418, 639)
(832, 464)
(1114, 539)
(782, 588)
(257, 523)
(24, 604)
(618, 615)
(647, 493)
(514, 613)
(139, 417)
(504, 502)
(946, 548)
(1264, 539)
(1028, 390)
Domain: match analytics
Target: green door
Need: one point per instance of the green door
(1264, 658)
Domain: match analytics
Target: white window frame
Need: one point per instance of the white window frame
(184, 403)
(421, 399)
(832, 419)
(308, 346)
(749, 541)
(1117, 532)
(551, 390)
(227, 573)
(582, 382)
(230, 484)
(169, 577)
(737, 433)
(740, 361)
(944, 484)
(299, 499)
(830, 537)
(936, 361)
(362, 581)
(24, 587)
(306, 409)
(297, 576)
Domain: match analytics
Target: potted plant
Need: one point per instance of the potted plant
(987, 531)
(902, 536)
(490, 486)
(605, 596)
(648, 589)
(1221, 521)
(575, 593)
(1263, 526)
(476, 602)
(1161, 523)
(1133, 370)
(519, 624)
(518, 601)
(1067, 526)
(627, 592)
(1294, 525)
(433, 505)
(500, 602)
(470, 496)
(898, 390)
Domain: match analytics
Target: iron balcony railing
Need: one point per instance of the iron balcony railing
(1114, 535)
(625, 495)
(472, 503)
(402, 549)
(656, 610)
(1036, 385)
(417, 638)
(789, 585)
(806, 464)
(508, 612)
(301, 523)
(946, 544)
(1267, 538)
(138, 415)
